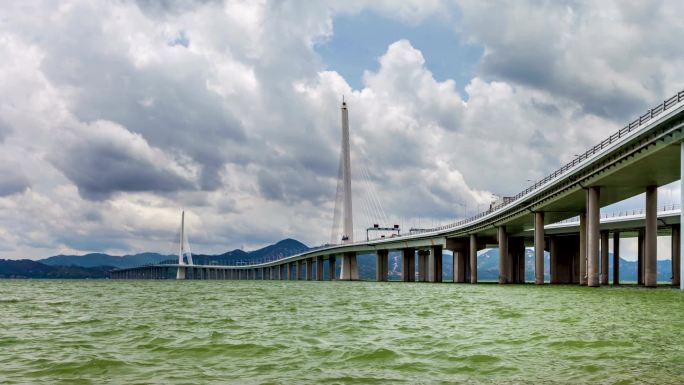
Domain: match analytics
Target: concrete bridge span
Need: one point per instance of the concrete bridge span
(645, 154)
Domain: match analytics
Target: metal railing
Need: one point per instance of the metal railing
(625, 213)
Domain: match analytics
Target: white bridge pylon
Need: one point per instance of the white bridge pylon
(183, 250)
(343, 202)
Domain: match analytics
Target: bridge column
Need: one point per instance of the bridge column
(516, 249)
(332, 265)
(651, 241)
(298, 271)
(459, 266)
(408, 264)
(422, 265)
(583, 249)
(309, 269)
(616, 258)
(539, 248)
(319, 268)
(675, 255)
(180, 272)
(381, 262)
(593, 236)
(553, 259)
(435, 263)
(640, 257)
(604, 257)
(350, 270)
(503, 254)
(473, 258)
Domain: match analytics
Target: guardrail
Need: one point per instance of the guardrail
(624, 213)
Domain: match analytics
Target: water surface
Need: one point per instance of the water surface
(216, 332)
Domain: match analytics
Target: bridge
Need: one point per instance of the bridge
(642, 156)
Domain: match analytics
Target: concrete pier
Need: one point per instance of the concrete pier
(381, 265)
(539, 248)
(676, 245)
(180, 272)
(422, 265)
(564, 252)
(408, 264)
(640, 257)
(553, 260)
(516, 268)
(651, 241)
(459, 264)
(319, 268)
(350, 269)
(503, 254)
(616, 258)
(604, 258)
(435, 264)
(309, 269)
(473, 258)
(332, 264)
(593, 236)
(583, 249)
(298, 271)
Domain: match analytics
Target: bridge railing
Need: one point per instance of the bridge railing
(650, 114)
(625, 213)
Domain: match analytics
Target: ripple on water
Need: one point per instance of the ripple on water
(219, 332)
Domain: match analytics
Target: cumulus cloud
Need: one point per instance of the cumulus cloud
(13, 181)
(103, 158)
(122, 113)
(612, 57)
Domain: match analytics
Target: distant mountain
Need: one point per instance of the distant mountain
(25, 268)
(99, 259)
(284, 248)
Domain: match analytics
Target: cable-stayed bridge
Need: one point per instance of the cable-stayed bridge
(642, 156)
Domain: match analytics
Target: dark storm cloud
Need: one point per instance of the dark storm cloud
(292, 186)
(536, 68)
(168, 103)
(608, 57)
(12, 181)
(103, 158)
(161, 7)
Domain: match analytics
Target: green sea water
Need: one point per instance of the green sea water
(218, 332)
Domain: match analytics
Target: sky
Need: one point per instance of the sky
(115, 116)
